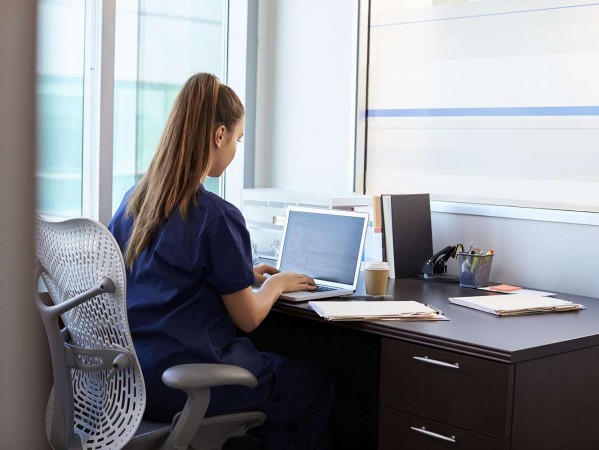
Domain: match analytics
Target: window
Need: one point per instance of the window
(157, 46)
(485, 102)
(60, 88)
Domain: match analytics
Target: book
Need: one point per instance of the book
(518, 291)
(504, 288)
(407, 233)
(375, 310)
(510, 305)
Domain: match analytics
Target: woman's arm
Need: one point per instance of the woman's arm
(261, 270)
(249, 309)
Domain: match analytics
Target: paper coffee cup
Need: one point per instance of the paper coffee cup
(376, 274)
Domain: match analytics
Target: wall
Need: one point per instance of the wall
(295, 128)
(549, 256)
(25, 373)
(305, 102)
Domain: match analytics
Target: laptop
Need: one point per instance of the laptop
(325, 244)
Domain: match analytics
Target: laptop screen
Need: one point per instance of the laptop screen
(325, 244)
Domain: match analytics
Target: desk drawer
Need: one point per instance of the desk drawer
(464, 391)
(402, 431)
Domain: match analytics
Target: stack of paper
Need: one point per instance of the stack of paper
(375, 310)
(510, 305)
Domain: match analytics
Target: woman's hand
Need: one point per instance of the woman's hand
(291, 281)
(261, 269)
(248, 309)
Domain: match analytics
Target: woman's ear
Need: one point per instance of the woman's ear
(219, 135)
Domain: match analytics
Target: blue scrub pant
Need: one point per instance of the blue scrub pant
(297, 398)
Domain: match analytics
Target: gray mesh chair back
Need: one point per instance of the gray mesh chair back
(80, 264)
(98, 398)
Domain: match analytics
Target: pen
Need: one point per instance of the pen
(367, 297)
(475, 261)
(437, 311)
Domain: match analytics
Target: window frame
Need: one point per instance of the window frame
(98, 118)
(98, 107)
(238, 61)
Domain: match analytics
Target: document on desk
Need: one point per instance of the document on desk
(512, 305)
(375, 310)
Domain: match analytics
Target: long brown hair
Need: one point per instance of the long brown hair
(182, 158)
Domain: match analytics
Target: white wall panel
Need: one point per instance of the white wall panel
(483, 101)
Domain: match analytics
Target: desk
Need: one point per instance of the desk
(518, 383)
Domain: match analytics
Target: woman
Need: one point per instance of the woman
(190, 274)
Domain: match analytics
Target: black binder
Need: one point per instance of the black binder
(407, 232)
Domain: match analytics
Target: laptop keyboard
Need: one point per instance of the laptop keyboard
(321, 288)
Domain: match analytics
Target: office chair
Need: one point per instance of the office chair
(99, 397)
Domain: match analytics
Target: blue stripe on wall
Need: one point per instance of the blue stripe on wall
(487, 112)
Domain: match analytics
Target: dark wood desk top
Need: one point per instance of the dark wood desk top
(506, 339)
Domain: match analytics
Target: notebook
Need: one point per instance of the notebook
(325, 244)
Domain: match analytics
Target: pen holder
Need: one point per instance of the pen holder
(474, 269)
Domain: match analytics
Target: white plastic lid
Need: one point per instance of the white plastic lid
(376, 265)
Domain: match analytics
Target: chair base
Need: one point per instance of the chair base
(213, 431)
(149, 436)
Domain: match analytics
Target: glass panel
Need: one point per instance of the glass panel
(60, 67)
(500, 104)
(125, 98)
(158, 46)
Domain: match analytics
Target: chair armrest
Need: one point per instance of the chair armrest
(197, 376)
(196, 380)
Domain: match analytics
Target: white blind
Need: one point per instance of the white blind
(492, 102)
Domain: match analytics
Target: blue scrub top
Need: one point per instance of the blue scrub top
(174, 289)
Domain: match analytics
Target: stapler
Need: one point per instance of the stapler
(435, 268)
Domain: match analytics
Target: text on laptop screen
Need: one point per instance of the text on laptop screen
(324, 246)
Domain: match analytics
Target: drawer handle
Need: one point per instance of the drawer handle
(426, 359)
(423, 430)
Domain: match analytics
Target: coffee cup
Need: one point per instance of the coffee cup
(376, 274)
